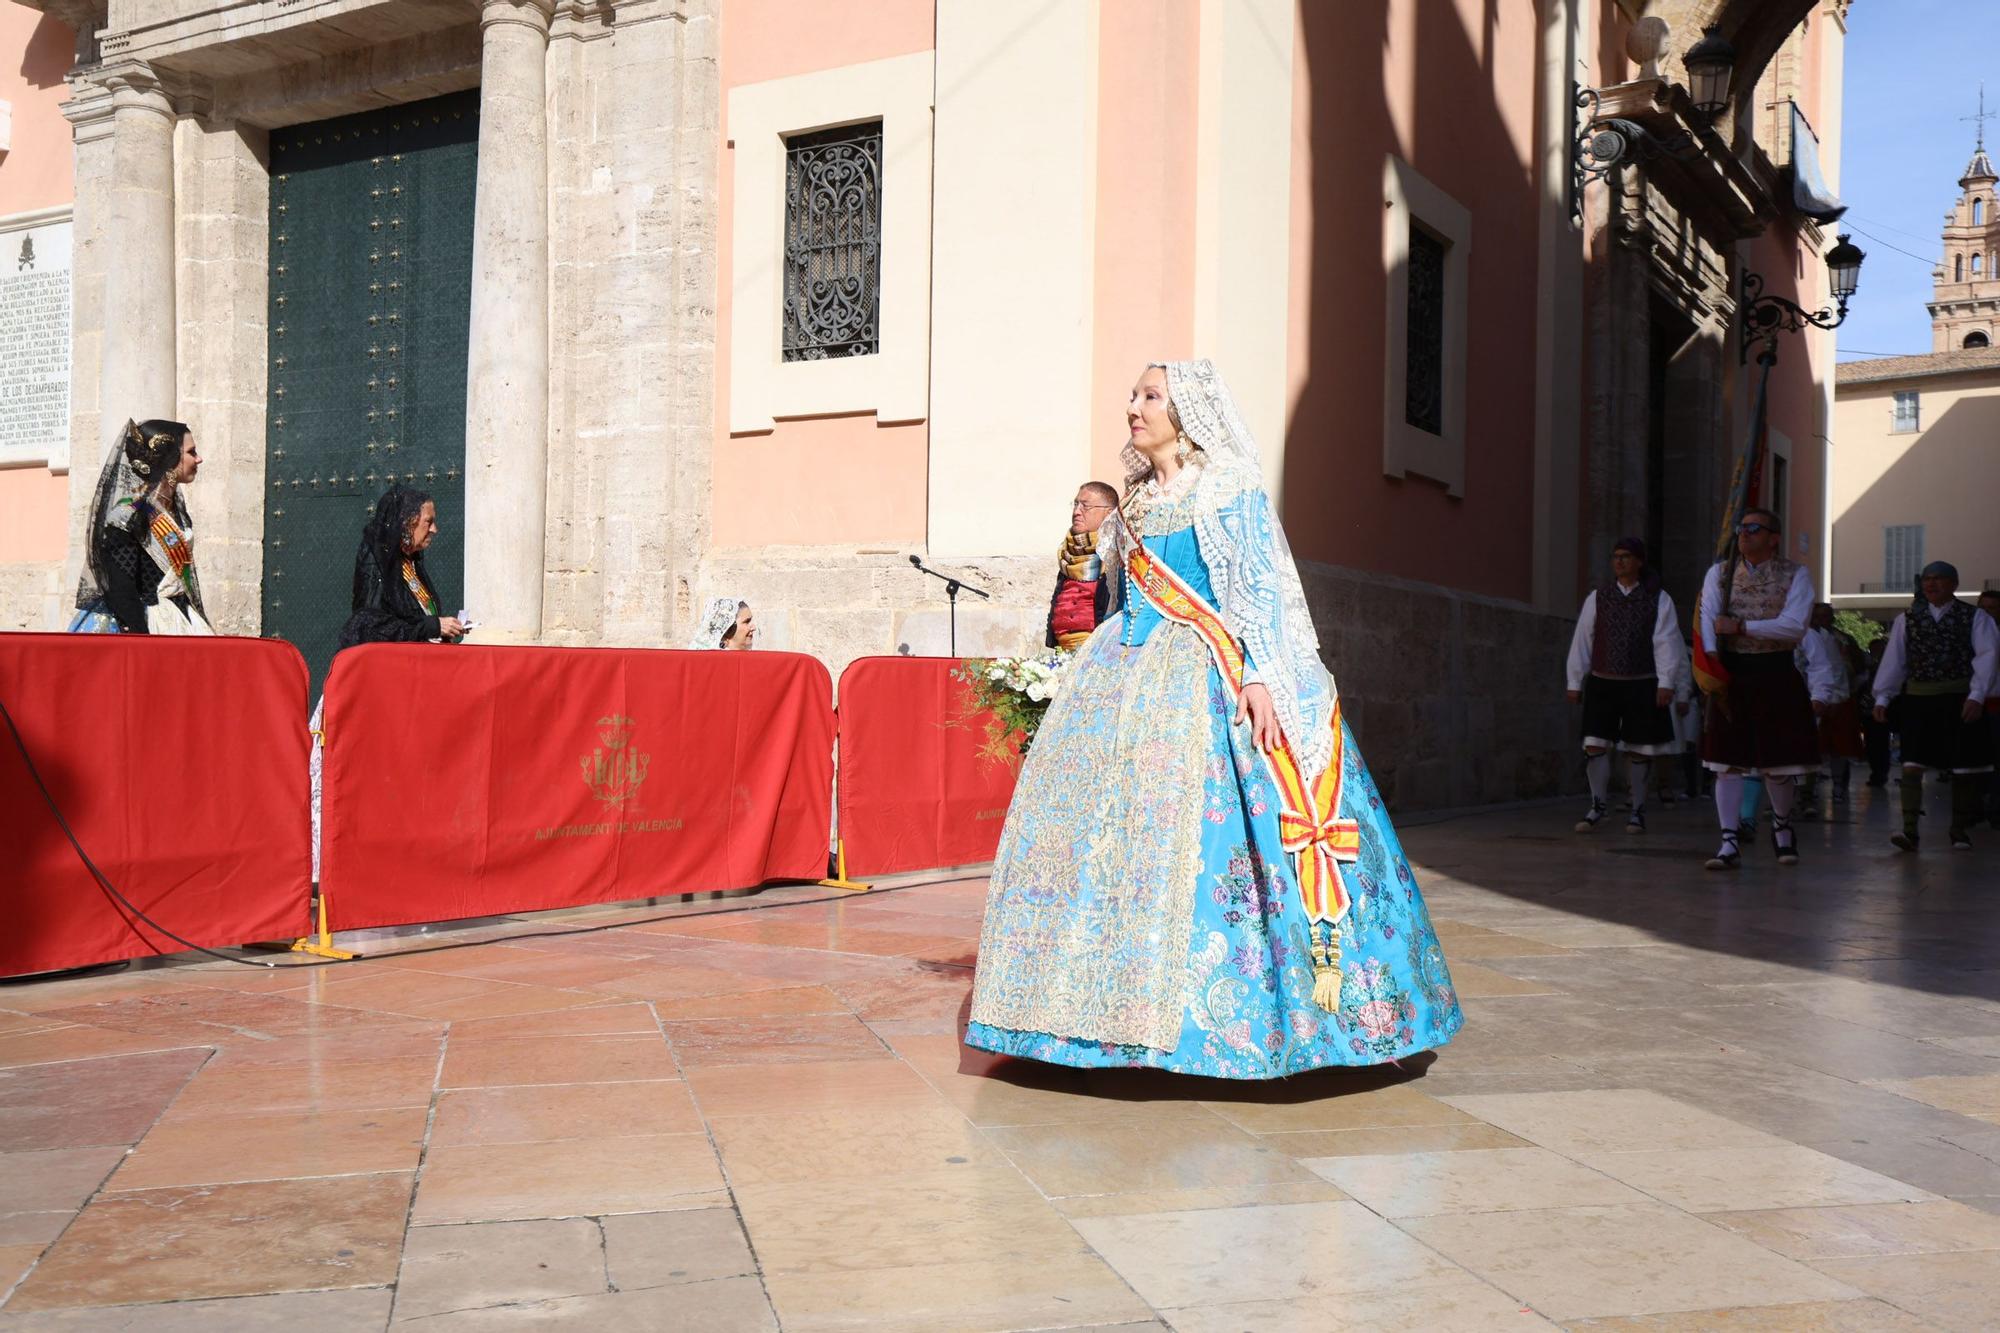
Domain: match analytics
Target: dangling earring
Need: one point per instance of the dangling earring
(1183, 449)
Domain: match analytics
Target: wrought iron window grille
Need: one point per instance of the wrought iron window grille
(833, 243)
(1423, 405)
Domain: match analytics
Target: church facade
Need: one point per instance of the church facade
(670, 299)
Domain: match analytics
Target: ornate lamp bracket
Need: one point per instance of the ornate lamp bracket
(1762, 317)
(1605, 143)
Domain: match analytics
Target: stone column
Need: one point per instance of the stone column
(137, 378)
(507, 375)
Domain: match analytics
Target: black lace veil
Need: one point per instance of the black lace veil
(382, 539)
(141, 456)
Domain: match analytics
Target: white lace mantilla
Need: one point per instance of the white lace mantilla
(1250, 565)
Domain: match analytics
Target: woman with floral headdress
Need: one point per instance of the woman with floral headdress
(1196, 872)
(139, 577)
(729, 625)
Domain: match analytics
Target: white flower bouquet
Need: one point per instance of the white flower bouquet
(1013, 694)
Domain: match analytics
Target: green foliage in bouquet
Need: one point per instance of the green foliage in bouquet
(1011, 696)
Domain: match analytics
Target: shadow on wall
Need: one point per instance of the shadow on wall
(1453, 684)
(1947, 481)
(49, 54)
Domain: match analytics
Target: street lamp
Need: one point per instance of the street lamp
(1843, 266)
(1765, 316)
(1604, 143)
(1710, 64)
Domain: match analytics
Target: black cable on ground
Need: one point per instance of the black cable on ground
(275, 964)
(91, 865)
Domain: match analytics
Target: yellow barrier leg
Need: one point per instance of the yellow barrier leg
(320, 946)
(841, 881)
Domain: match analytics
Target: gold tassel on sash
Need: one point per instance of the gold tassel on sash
(1326, 969)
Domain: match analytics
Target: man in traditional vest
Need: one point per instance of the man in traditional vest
(1082, 597)
(1941, 661)
(1762, 722)
(1625, 664)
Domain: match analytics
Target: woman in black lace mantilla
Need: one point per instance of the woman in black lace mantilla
(139, 577)
(394, 598)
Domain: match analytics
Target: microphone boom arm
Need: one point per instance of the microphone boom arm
(952, 587)
(918, 562)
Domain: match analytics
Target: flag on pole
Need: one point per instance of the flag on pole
(1709, 672)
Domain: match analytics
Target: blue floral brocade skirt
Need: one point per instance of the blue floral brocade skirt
(1144, 914)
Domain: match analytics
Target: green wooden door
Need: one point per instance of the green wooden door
(371, 290)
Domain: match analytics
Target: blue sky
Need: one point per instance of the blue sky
(1909, 80)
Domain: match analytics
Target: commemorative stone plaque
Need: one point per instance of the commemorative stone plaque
(34, 342)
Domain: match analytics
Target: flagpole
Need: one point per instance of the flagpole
(1709, 672)
(1748, 472)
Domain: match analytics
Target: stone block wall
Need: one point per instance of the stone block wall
(32, 596)
(840, 604)
(89, 113)
(1455, 699)
(634, 135)
(221, 216)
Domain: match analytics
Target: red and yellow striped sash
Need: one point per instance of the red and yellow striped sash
(1309, 818)
(180, 552)
(417, 589)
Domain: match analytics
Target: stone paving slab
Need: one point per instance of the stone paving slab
(1767, 1100)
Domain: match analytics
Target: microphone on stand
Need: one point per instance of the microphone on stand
(951, 591)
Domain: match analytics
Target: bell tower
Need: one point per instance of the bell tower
(1965, 296)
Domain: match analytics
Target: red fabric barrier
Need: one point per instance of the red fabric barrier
(914, 792)
(466, 781)
(180, 764)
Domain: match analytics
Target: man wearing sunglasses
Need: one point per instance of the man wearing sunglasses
(1934, 677)
(1762, 724)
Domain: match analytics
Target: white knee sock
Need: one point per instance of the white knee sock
(1598, 769)
(1783, 792)
(1728, 798)
(1640, 774)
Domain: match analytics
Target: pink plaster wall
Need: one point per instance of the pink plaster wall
(1791, 261)
(36, 172)
(1458, 104)
(1787, 262)
(34, 505)
(822, 481)
(775, 39)
(833, 480)
(1147, 121)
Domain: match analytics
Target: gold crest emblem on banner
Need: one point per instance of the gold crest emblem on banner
(616, 769)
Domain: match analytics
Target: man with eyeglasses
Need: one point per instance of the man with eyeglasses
(1625, 666)
(1762, 723)
(1935, 673)
(1082, 598)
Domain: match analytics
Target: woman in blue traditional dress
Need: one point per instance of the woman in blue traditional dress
(1196, 872)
